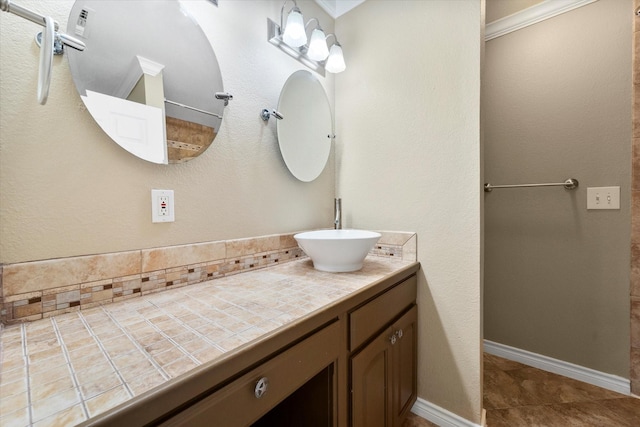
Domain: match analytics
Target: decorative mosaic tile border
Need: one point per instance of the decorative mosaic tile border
(39, 289)
(399, 244)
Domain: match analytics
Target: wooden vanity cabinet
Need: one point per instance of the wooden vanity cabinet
(351, 363)
(253, 395)
(383, 371)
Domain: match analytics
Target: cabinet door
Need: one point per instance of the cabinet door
(370, 382)
(383, 376)
(404, 365)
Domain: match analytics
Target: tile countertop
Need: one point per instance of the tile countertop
(66, 369)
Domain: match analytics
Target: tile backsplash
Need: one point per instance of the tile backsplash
(36, 289)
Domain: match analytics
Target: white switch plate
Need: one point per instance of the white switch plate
(162, 206)
(603, 197)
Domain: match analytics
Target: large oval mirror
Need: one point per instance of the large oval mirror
(305, 131)
(148, 76)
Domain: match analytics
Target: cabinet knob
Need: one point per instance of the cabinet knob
(261, 387)
(399, 333)
(393, 339)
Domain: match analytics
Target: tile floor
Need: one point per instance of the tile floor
(517, 395)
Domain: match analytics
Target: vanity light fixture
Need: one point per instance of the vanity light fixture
(318, 50)
(292, 39)
(294, 34)
(335, 62)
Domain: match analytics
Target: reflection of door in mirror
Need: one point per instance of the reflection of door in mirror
(305, 131)
(138, 128)
(149, 53)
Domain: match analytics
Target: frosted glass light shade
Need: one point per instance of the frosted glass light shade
(335, 62)
(318, 50)
(294, 34)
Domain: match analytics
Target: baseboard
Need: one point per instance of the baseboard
(440, 416)
(577, 372)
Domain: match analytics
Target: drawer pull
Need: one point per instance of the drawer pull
(393, 339)
(261, 387)
(399, 333)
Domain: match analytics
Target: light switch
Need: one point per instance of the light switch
(603, 198)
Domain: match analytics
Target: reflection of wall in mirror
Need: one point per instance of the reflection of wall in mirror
(186, 140)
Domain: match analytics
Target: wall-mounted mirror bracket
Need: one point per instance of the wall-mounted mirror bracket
(266, 115)
(226, 96)
(274, 36)
(58, 46)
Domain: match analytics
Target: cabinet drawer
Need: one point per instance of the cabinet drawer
(237, 405)
(376, 314)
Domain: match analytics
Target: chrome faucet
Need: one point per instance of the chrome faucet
(337, 209)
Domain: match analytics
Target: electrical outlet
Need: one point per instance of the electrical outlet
(162, 206)
(603, 197)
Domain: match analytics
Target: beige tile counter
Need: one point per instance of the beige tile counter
(68, 368)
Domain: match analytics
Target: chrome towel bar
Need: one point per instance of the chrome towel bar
(67, 40)
(569, 184)
(188, 107)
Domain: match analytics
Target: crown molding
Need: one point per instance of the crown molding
(337, 8)
(531, 15)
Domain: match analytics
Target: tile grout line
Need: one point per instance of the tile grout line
(155, 364)
(104, 352)
(209, 321)
(23, 332)
(191, 329)
(65, 352)
(168, 338)
(234, 305)
(222, 311)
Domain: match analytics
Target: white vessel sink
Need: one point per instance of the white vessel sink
(337, 250)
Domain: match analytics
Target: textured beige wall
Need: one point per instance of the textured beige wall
(67, 189)
(497, 9)
(557, 104)
(408, 146)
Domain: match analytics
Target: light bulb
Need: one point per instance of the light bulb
(294, 34)
(335, 62)
(318, 50)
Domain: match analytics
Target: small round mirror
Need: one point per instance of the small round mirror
(305, 131)
(148, 76)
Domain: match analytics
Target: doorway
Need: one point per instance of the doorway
(557, 105)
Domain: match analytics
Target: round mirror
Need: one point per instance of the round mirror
(148, 76)
(304, 132)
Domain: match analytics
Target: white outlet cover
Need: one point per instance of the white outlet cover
(156, 215)
(603, 197)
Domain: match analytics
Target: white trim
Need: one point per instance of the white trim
(338, 8)
(531, 15)
(560, 367)
(439, 415)
(150, 67)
